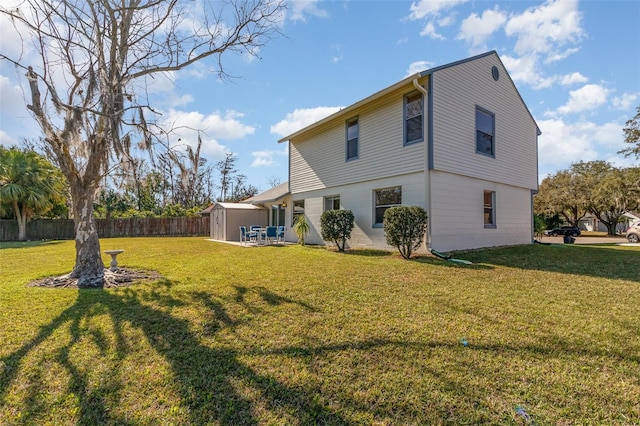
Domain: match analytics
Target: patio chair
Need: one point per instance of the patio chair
(280, 236)
(247, 236)
(271, 233)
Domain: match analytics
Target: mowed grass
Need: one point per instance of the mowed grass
(303, 335)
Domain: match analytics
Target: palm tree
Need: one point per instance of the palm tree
(28, 185)
(301, 228)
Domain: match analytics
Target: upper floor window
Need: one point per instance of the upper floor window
(485, 131)
(413, 123)
(353, 133)
(383, 199)
(332, 203)
(489, 209)
(297, 211)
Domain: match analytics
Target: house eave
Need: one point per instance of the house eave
(350, 108)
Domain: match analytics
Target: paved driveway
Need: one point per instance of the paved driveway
(588, 240)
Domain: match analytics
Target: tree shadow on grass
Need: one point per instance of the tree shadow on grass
(206, 377)
(27, 244)
(209, 381)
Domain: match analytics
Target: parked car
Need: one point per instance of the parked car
(573, 231)
(633, 233)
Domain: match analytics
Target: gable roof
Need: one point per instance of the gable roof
(401, 83)
(273, 194)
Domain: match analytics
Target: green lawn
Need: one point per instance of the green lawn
(304, 335)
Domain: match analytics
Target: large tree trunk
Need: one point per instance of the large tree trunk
(89, 269)
(22, 221)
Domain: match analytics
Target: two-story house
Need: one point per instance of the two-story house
(457, 140)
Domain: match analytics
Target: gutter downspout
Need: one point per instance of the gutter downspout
(427, 170)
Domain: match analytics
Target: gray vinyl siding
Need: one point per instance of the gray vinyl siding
(457, 91)
(359, 199)
(317, 159)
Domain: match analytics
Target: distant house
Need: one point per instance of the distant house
(457, 140)
(591, 223)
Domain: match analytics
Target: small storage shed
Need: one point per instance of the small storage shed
(227, 218)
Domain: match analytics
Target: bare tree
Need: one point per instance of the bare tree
(227, 169)
(274, 181)
(87, 89)
(194, 185)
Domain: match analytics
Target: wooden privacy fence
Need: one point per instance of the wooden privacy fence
(62, 229)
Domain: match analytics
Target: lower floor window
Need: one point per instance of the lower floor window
(489, 209)
(383, 199)
(332, 203)
(277, 215)
(297, 211)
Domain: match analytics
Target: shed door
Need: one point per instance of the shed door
(218, 224)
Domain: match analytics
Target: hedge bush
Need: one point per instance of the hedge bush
(336, 226)
(404, 227)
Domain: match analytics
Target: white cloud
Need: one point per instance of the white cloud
(586, 98)
(477, 29)
(267, 157)
(429, 30)
(6, 140)
(446, 20)
(525, 69)
(11, 96)
(300, 118)
(563, 143)
(626, 101)
(431, 12)
(573, 78)
(418, 66)
(545, 33)
(431, 8)
(11, 44)
(300, 9)
(185, 125)
(559, 55)
(547, 29)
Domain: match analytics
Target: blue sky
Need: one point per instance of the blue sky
(575, 63)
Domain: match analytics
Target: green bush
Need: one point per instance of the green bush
(301, 228)
(336, 226)
(405, 227)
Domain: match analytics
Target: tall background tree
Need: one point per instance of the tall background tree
(29, 185)
(595, 187)
(233, 186)
(563, 193)
(632, 136)
(94, 60)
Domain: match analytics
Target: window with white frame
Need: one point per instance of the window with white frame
(485, 132)
(297, 211)
(383, 199)
(489, 209)
(413, 123)
(332, 203)
(277, 215)
(353, 135)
